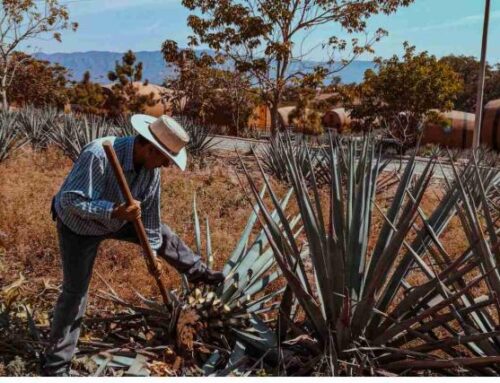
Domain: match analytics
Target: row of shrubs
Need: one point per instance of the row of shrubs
(41, 128)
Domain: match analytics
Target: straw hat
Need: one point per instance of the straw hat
(166, 134)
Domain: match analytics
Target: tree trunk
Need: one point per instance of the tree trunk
(3, 92)
(5, 103)
(274, 118)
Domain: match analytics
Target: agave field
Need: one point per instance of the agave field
(41, 128)
(327, 277)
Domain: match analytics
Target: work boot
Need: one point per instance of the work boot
(61, 370)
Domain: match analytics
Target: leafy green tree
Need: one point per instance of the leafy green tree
(87, 97)
(191, 82)
(20, 22)
(400, 95)
(264, 37)
(467, 68)
(494, 93)
(204, 91)
(126, 97)
(306, 117)
(38, 83)
(234, 96)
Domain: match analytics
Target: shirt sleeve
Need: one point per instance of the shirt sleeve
(150, 207)
(83, 191)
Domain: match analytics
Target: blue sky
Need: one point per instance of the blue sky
(439, 26)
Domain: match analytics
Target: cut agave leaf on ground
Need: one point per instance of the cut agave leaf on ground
(211, 364)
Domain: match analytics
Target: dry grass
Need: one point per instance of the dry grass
(29, 180)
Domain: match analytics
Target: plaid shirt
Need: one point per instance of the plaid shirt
(90, 191)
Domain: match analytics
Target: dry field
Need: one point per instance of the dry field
(29, 180)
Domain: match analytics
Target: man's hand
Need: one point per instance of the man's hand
(127, 212)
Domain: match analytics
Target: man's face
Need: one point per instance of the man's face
(155, 158)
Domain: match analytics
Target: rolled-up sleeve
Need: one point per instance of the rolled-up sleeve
(87, 183)
(150, 207)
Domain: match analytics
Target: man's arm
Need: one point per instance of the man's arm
(150, 212)
(84, 189)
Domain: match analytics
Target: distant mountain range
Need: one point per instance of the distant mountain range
(99, 63)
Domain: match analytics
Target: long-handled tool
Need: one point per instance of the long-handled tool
(139, 227)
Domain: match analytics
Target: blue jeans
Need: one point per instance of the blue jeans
(78, 253)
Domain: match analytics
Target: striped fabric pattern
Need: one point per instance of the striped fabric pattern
(90, 191)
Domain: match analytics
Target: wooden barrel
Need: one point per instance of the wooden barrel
(260, 118)
(337, 118)
(490, 130)
(456, 131)
(284, 115)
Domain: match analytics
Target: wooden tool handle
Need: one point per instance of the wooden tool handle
(139, 227)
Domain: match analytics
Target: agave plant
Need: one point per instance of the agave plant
(36, 124)
(274, 157)
(10, 139)
(124, 126)
(221, 327)
(200, 141)
(73, 133)
(231, 314)
(365, 312)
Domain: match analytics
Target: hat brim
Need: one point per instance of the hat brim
(141, 122)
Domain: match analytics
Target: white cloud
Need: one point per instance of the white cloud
(461, 22)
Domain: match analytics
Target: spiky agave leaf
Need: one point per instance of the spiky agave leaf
(232, 310)
(36, 124)
(200, 139)
(74, 132)
(274, 157)
(123, 126)
(365, 299)
(10, 139)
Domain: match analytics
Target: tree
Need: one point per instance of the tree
(88, 97)
(467, 68)
(306, 117)
(402, 93)
(21, 21)
(126, 97)
(236, 96)
(204, 91)
(191, 82)
(262, 36)
(38, 83)
(494, 92)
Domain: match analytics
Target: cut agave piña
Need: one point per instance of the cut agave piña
(231, 315)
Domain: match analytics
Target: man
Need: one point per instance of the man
(89, 208)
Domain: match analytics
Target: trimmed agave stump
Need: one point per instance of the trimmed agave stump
(220, 329)
(205, 321)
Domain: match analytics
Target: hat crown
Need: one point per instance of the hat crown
(169, 133)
